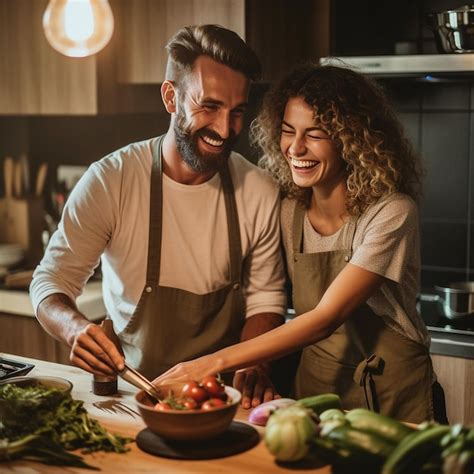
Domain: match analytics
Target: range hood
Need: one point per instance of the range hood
(409, 65)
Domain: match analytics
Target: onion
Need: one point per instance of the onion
(259, 415)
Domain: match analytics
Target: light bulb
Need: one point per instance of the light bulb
(78, 28)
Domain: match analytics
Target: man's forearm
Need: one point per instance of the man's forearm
(260, 323)
(60, 317)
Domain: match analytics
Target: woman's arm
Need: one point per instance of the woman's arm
(351, 288)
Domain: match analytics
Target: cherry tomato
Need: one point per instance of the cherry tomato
(162, 406)
(189, 403)
(212, 403)
(194, 391)
(214, 387)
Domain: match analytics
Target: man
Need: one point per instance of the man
(187, 230)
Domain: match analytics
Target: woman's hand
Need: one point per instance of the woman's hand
(183, 372)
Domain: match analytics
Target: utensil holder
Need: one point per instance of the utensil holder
(22, 222)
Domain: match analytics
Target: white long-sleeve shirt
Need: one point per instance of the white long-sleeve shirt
(107, 216)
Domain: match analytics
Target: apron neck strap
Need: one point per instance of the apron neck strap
(298, 220)
(156, 219)
(233, 226)
(156, 215)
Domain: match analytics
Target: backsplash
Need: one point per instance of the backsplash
(438, 117)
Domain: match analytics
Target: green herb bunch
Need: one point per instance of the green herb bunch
(42, 424)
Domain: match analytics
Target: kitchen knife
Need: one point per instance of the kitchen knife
(40, 179)
(18, 183)
(26, 173)
(8, 171)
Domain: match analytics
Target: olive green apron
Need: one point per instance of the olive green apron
(364, 361)
(171, 325)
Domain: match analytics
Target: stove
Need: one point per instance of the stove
(431, 313)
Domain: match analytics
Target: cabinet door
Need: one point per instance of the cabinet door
(147, 25)
(34, 78)
(456, 375)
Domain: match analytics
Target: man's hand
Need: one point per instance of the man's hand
(255, 385)
(92, 346)
(94, 352)
(254, 382)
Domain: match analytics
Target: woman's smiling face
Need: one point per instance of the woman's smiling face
(312, 155)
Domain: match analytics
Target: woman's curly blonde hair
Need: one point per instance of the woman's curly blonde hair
(354, 111)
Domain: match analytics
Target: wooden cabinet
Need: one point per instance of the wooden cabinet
(23, 335)
(147, 25)
(34, 78)
(456, 375)
(282, 35)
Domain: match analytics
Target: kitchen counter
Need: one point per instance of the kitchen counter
(128, 423)
(90, 303)
(451, 343)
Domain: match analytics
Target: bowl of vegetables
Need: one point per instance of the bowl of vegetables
(19, 396)
(201, 410)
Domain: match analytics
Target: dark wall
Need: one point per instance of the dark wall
(439, 119)
(383, 27)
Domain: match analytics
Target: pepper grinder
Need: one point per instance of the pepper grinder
(107, 384)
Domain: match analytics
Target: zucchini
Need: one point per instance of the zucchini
(352, 449)
(359, 441)
(380, 425)
(415, 450)
(332, 414)
(320, 403)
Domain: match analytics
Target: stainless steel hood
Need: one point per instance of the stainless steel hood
(423, 64)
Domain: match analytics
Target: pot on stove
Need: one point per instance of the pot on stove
(456, 300)
(453, 29)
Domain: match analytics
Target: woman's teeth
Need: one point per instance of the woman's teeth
(303, 163)
(212, 142)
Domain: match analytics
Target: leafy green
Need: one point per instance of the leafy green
(41, 423)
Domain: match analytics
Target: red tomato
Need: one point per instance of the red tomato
(212, 403)
(214, 387)
(189, 404)
(162, 406)
(194, 391)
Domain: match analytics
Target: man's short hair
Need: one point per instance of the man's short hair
(220, 44)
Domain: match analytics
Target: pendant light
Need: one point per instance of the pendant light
(78, 28)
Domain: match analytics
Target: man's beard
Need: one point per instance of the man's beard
(187, 144)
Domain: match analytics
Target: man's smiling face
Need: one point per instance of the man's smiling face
(210, 108)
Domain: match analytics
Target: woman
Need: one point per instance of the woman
(350, 231)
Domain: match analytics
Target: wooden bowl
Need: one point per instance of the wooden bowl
(188, 425)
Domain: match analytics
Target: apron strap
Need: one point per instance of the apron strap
(156, 216)
(233, 227)
(298, 219)
(363, 377)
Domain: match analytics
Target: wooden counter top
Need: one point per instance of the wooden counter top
(90, 302)
(125, 420)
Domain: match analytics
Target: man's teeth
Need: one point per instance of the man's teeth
(212, 142)
(303, 163)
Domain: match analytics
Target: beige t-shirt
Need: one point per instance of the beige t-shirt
(386, 242)
(107, 215)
